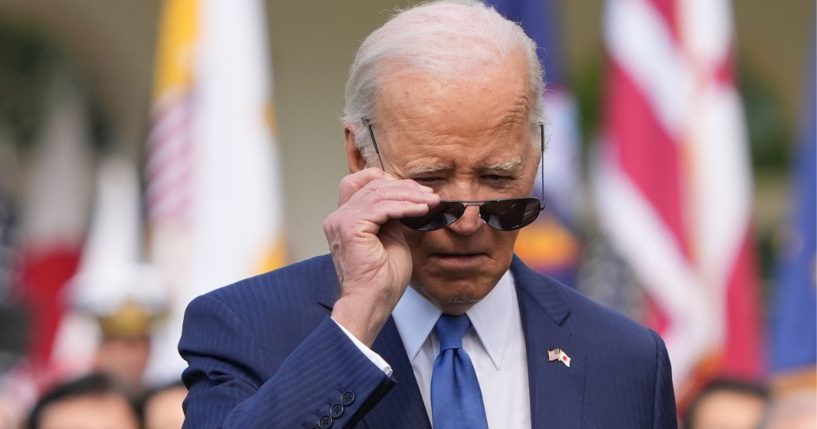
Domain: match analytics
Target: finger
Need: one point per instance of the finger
(361, 220)
(385, 189)
(375, 180)
(392, 190)
(392, 210)
(352, 183)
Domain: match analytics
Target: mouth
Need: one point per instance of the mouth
(459, 260)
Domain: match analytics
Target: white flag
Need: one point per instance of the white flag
(213, 178)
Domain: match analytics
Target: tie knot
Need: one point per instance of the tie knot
(451, 329)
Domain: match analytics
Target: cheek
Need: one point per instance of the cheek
(420, 242)
(503, 244)
(507, 237)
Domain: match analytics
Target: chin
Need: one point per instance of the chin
(454, 296)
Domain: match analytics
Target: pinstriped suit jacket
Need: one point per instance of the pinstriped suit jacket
(263, 353)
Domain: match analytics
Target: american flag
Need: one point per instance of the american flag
(673, 181)
(168, 167)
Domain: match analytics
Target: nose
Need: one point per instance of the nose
(469, 223)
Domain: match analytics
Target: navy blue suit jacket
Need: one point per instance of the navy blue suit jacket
(263, 353)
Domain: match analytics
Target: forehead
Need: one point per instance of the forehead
(485, 109)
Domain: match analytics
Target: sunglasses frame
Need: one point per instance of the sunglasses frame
(464, 204)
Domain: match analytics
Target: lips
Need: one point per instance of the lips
(459, 260)
(457, 254)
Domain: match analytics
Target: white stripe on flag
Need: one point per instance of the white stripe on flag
(640, 43)
(637, 231)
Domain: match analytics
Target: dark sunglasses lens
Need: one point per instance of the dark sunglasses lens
(508, 215)
(439, 216)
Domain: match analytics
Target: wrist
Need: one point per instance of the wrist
(361, 318)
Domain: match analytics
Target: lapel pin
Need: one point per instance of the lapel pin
(559, 355)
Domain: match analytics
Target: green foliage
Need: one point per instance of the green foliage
(770, 141)
(25, 64)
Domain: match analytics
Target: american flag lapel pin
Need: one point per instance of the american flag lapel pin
(559, 355)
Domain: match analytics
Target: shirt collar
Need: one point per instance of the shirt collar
(415, 317)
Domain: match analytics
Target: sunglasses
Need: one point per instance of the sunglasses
(507, 214)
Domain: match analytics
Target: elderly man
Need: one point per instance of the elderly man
(422, 315)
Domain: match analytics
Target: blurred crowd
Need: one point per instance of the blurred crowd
(740, 404)
(109, 394)
(101, 401)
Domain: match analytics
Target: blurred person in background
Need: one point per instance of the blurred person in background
(728, 404)
(124, 346)
(162, 407)
(795, 410)
(113, 286)
(95, 401)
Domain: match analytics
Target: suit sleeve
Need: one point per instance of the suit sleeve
(664, 403)
(324, 382)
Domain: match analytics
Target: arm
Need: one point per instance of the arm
(664, 403)
(227, 386)
(235, 381)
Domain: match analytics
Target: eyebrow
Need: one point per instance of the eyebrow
(426, 169)
(509, 165)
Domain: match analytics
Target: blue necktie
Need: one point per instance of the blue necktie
(456, 400)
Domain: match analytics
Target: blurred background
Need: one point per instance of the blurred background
(151, 151)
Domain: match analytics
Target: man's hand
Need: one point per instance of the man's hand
(371, 257)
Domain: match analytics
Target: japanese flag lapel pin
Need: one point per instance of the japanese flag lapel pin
(559, 355)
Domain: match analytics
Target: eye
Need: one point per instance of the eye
(496, 178)
(429, 181)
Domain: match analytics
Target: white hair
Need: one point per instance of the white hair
(446, 38)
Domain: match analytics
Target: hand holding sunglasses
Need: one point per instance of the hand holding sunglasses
(507, 214)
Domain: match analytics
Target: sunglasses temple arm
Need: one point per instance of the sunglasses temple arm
(541, 162)
(374, 143)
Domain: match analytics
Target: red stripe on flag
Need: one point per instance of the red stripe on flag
(744, 338)
(168, 169)
(654, 316)
(166, 133)
(725, 70)
(646, 153)
(669, 13)
(44, 276)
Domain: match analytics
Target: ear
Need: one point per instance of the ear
(353, 156)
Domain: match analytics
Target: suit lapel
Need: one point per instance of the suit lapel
(402, 407)
(556, 391)
(327, 279)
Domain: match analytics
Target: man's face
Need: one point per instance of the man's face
(468, 138)
(124, 357)
(729, 410)
(164, 409)
(104, 411)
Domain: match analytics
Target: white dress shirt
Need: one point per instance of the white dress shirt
(496, 345)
